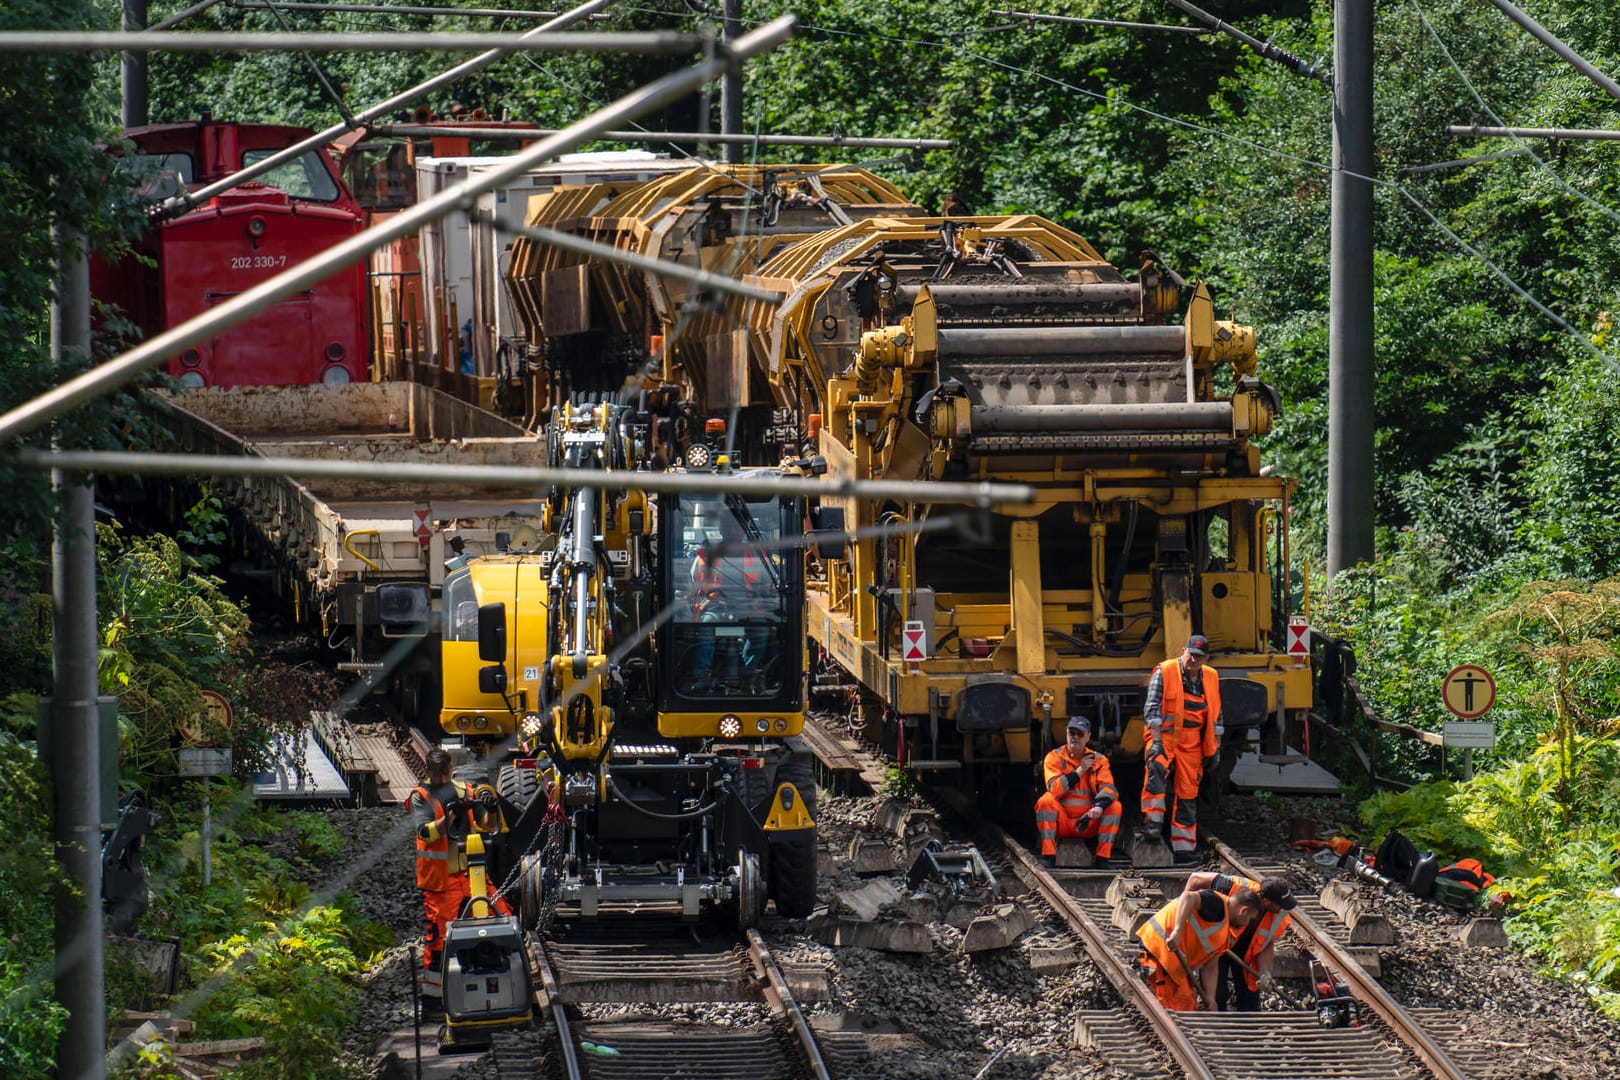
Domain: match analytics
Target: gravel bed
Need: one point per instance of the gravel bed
(946, 1014)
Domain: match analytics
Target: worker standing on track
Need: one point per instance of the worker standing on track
(1255, 946)
(1181, 943)
(1183, 717)
(439, 808)
(1080, 800)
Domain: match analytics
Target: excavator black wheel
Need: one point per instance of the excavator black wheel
(792, 874)
(801, 774)
(517, 786)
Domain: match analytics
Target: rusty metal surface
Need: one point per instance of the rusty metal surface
(1366, 989)
(636, 958)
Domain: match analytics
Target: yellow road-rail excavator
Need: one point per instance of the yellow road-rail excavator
(636, 682)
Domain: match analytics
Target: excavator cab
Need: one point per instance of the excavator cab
(734, 592)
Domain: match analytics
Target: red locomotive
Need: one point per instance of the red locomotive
(237, 240)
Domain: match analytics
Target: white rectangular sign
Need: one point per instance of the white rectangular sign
(1463, 734)
(914, 646)
(205, 761)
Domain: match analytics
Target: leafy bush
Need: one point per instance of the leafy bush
(296, 985)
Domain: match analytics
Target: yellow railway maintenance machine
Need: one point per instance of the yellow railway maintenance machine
(648, 659)
(986, 348)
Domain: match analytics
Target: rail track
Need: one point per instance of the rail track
(1140, 1036)
(630, 959)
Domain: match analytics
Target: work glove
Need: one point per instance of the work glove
(1267, 981)
(488, 801)
(1209, 764)
(1094, 813)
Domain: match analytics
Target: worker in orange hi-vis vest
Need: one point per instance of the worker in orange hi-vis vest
(442, 810)
(1080, 800)
(1181, 943)
(1256, 944)
(1183, 717)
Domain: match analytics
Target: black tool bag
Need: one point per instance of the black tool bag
(1397, 858)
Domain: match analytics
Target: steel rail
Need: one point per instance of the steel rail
(775, 988)
(1366, 988)
(1477, 131)
(546, 996)
(474, 131)
(656, 42)
(114, 373)
(1029, 870)
(383, 108)
(509, 476)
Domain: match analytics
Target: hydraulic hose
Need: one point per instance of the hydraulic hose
(687, 816)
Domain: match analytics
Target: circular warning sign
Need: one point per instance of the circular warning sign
(215, 720)
(1468, 691)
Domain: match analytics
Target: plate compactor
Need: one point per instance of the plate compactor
(485, 968)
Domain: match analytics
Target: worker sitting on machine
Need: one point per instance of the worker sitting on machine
(1181, 943)
(1080, 800)
(442, 813)
(1246, 969)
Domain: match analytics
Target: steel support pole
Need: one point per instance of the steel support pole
(1549, 39)
(76, 761)
(132, 68)
(1350, 329)
(731, 105)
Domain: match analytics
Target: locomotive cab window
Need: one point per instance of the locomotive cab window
(302, 178)
(162, 176)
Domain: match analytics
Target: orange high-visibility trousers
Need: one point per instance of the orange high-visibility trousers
(1171, 988)
(1054, 823)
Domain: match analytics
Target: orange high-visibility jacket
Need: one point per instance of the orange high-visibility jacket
(1177, 724)
(434, 855)
(1272, 925)
(713, 574)
(1202, 939)
(1091, 777)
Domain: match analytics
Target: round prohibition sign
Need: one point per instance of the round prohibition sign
(1468, 692)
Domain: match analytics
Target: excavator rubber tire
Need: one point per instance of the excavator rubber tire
(801, 774)
(517, 786)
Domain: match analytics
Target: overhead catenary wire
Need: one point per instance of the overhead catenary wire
(114, 373)
(655, 42)
(1120, 100)
(474, 131)
(1112, 24)
(1479, 100)
(578, 245)
(398, 9)
(187, 200)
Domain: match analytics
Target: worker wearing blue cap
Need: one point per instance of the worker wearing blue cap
(1080, 800)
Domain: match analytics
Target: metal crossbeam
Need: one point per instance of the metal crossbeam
(474, 131)
(57, 41)
(517, 476)
(114, 373)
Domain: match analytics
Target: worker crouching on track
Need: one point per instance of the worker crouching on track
(1246, 969)
(1080, 801)
(442, 810)
(1183, 716)
(1181, 943)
